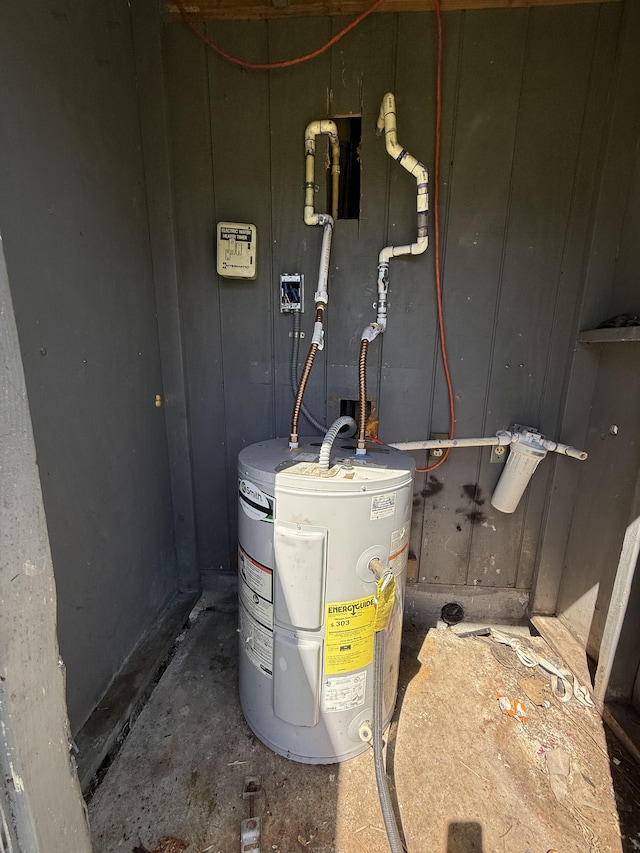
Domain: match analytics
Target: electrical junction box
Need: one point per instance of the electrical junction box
(291, 292)
(236, 250)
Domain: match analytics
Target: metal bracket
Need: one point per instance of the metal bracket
(251, 827)
(250, 835)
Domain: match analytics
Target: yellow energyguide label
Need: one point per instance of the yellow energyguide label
(349, 635)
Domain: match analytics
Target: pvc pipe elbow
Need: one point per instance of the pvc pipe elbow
(323, 125)
(420, 246)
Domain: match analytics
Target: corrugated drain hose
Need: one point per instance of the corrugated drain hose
(332, 433)
(386, 805)
(294, 373)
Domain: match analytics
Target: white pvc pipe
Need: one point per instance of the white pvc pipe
(502, 438)
(387, 123)
(313, 129)
(564, 449)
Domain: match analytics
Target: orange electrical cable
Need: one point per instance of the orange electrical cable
(436, 229)
(285, 63)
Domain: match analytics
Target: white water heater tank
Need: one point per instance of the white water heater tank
(307, 594)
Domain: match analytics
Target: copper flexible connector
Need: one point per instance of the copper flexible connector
(362, 385)
(306, 372)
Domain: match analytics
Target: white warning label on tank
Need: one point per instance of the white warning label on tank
(344, 692)
(257, 642)
(399, 550)
(383, 506)
(257, 577)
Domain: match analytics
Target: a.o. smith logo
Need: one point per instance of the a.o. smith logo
(254, 502)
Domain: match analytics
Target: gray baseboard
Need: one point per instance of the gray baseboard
(128, 691)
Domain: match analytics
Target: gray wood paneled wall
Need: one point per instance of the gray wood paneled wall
(75, 229)
(525, 112)
(608, 495)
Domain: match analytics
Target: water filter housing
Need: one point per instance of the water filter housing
(525, 455)
(307, 594)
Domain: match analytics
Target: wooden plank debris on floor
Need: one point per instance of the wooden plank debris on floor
(468, 777)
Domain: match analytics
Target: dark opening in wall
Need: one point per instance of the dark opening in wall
(352, 408)
(349, 133)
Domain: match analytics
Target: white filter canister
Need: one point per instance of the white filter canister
(523, 459)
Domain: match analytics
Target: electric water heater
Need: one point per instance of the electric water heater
(307, 593)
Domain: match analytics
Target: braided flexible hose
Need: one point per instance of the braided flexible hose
(362, 386)
(306, 371)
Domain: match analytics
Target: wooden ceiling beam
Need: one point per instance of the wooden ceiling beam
(246, 10)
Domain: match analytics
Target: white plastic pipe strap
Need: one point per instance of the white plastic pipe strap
(318, 335)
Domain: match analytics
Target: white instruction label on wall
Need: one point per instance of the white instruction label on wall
(257, 642)
(383, 506)
(344, 692)
(399, 550)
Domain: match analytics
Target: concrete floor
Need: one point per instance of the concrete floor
(467, 777)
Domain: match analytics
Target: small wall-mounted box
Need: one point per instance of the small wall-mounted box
(291, 292)
(236, 250)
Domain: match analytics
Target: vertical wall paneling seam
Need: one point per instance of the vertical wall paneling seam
(542, 600)
(445, 198)
(147, 46)
(494, 331)
(527, 496)
(210, 66)
(376, 391)
(557, 427)
(506, 229)
(389, 164)
(444, 240)
(275, 276)
(567, 233)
